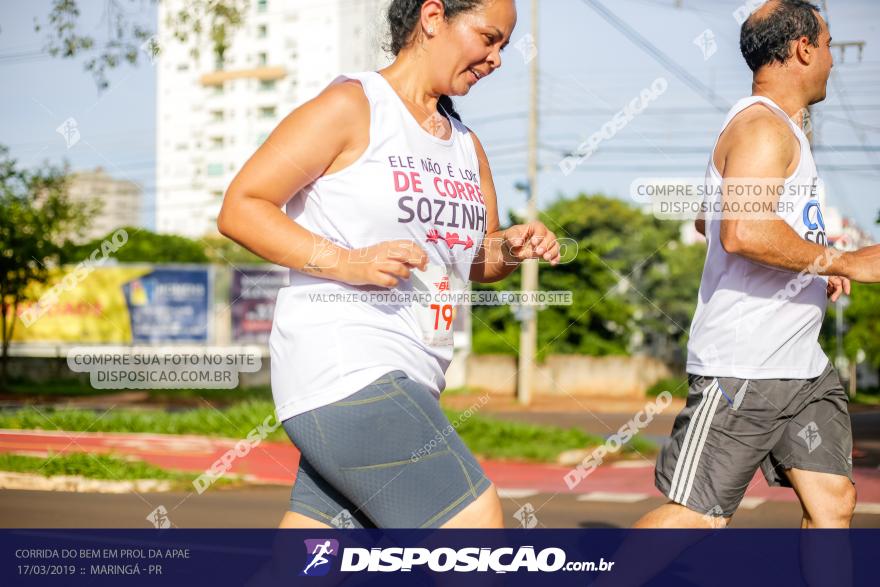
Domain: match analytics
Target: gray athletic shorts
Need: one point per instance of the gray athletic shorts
(383, 457)
(729, 427)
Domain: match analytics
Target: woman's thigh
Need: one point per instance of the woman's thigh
(390, 453)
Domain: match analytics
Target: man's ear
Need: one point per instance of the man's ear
(804, 51)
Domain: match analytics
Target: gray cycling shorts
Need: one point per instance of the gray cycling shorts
(730, 427)
(383, 457)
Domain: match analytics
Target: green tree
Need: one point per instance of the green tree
(617, 282)
(863, 317)
(670, 287)
(148, 247)
(861, 325)
(224, 251)
(37, 224)
(128, 41)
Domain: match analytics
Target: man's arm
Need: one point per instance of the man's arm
(755, 165)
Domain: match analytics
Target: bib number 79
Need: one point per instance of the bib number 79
(444, 311)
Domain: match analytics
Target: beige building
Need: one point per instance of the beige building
(211, 114)
(119, 200)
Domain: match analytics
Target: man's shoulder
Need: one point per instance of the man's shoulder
(759, 131)
(760, 123)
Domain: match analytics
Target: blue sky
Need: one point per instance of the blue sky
(590, 70)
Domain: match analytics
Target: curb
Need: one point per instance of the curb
(75, 483)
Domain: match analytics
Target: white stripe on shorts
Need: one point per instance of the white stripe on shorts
(699, 449)
(694, 424)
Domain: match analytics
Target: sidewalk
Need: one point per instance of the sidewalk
(275, 463)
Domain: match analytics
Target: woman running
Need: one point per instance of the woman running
(385, 191)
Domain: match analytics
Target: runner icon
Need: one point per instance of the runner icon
(319, 559)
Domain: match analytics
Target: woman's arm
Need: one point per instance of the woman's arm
(504, 249)
(322, 136)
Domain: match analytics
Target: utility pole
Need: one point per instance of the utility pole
(528, 336)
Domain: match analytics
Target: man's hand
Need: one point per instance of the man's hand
(837, 286)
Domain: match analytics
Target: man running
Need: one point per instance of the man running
(762, 393)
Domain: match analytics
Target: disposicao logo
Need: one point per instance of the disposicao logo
(319, 553)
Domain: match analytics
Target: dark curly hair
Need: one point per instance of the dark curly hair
(403, 16)
(767, 38)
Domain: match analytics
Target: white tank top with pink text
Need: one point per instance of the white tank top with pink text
(328, 339)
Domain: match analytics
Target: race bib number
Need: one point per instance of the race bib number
(435, 316)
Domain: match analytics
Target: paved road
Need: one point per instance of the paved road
(262, 507)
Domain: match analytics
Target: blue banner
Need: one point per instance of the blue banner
(422, 557)
(169, 305)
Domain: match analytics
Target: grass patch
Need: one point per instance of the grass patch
(487, 437)
(232, 422)
(868, 399)
(677, 386)
(91, 467)
(501, 439)
(72, 387)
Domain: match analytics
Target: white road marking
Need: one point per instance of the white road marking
(616, 497)
(516, 493)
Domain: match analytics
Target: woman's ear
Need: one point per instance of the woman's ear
(432, 18)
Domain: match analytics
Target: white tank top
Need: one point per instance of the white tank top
(408, 184)
(753, 321)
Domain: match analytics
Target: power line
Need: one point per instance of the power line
(663, 112)
(672, 66)
(703, 149)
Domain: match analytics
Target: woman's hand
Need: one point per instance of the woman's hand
(384, 264)
(530, 241)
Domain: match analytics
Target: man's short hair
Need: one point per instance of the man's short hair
(767, 38)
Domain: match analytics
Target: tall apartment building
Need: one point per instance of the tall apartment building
(120, 201)
(212, 115)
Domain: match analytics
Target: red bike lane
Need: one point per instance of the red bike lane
(275, 463)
